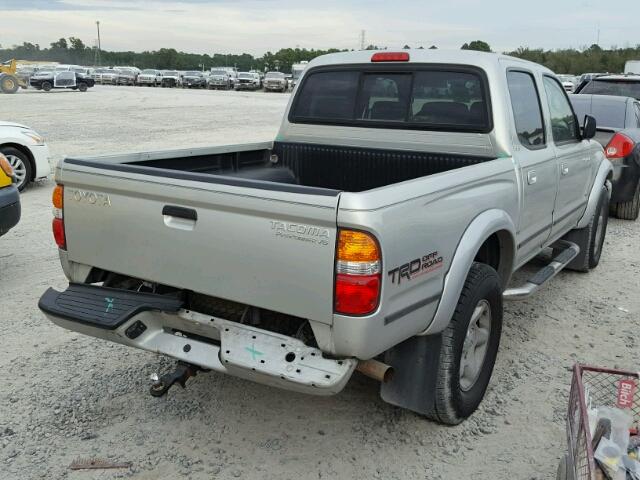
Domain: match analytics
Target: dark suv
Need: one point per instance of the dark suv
(618, 120)
(619, 85)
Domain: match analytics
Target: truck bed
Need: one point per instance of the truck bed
(318, 169)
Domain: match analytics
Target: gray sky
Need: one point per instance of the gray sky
(255, 26)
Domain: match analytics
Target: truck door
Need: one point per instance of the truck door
(536, 163)
(573, 159)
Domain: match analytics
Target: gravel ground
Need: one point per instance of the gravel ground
(66, 396)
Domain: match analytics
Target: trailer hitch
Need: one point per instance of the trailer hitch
(181, 374)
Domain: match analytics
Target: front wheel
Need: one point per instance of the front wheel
(47, 86)
(82, 87)
(469, 347)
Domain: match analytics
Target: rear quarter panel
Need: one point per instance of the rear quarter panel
(419, 227)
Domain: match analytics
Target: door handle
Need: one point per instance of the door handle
(180, 212)
(564, 168)
(179, 218)
(532, 177)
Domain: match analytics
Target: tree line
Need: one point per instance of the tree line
(74, 51)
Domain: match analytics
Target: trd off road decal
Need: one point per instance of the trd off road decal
(415, 268)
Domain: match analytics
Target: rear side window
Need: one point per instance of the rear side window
(621, 88)
(525, 103)
(563, 122)
(608, 113)
(423, 100)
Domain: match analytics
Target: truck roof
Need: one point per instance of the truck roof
(485, 60)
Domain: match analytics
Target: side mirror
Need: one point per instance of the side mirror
(589, 127)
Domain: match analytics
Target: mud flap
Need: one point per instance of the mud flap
(415, 364)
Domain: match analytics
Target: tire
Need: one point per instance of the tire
(9, 84)
(585, 238)
(460, 391)
(46, 86)
(599, 230)
(21, 165)
(628, 210)
(82, 87)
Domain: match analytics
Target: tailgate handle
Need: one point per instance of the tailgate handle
(180, 212)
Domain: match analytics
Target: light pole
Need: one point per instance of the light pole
(99, 46)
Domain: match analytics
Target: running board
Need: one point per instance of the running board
(568, 252)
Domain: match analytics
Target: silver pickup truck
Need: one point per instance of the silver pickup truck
(378, 232)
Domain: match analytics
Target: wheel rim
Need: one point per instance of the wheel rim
(19, 169)
(9, 84)
(475, 345)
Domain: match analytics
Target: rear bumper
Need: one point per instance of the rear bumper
(625, 178)
(9, 208)
(159, 324)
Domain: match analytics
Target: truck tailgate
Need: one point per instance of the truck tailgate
(260, 246)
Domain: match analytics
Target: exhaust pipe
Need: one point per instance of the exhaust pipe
(377, 370)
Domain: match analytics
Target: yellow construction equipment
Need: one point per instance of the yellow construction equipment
(9, 81)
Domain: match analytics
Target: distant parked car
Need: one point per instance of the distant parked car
(46, 80)
(9, 197)
(126, 76)
(619, 85)
(170, 79)
(26, 152)
(275, 81)
(219, 80)
(569, 82)
(248, 81)
(96, 75)
(618, 121)
(149, 77)
(109, 77)
(194, 79)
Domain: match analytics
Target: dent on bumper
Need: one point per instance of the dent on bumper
(229, 347)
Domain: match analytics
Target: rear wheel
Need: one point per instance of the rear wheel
(591, 238)
(601, 220)
(469, 347)
(628, 210)
(20, 164)
(8, 84)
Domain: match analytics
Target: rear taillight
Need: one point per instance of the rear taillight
(390, 57)
(358, 273)
(58, 216)
(619, 146)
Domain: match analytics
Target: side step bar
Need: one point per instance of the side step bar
(569, 252)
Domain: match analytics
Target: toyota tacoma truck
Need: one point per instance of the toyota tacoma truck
(378, 232)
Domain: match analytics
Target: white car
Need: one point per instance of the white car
(26, 151)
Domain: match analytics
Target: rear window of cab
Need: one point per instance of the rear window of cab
(430, 99)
